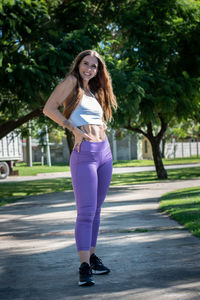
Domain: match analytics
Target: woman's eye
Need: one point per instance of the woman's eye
(87, 64)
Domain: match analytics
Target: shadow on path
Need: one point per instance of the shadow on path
(38, 258)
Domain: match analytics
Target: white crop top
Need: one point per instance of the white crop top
(89, 111)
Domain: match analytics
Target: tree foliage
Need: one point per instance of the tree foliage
(158, 67)
(151, 49)
(39, 42)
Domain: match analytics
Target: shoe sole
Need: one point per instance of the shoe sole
(86, 283)
(96, 272)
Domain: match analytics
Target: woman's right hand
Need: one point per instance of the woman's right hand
(79, 136)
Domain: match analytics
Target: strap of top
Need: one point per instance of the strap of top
(90, 93)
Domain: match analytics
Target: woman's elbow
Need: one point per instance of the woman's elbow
(48, 111)
(45, 110)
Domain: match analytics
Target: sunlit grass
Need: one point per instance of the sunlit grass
(12, 191)
(150, 176)
(184, 206)
(149, 162)
(37, 168)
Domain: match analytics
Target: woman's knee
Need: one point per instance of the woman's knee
(85, 217)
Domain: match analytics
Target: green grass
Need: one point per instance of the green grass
(37, 168)
(24, 170)
(150, 176)
(13, 191)
(184, 206)
(149, 162)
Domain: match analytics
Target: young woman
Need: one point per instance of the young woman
(88, 98)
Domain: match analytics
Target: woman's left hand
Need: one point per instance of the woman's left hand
(79, 136)
(104, 126)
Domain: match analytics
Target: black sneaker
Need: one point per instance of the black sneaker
(97, 266)
(85, 275)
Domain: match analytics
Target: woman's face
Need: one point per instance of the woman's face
(88, 67)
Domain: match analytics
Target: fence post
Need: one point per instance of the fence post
(29, 146)
(114, 142)
(47, 147)
(182, 149)
(190, 148)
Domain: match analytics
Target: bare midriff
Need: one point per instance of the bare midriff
(96, 132)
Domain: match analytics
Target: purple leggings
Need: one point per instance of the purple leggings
(91, 170)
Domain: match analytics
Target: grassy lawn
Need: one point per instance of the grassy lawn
(37, 168)
(148, 162)
(12, 191)
(63, 167)
(150, 176)
(184, 206)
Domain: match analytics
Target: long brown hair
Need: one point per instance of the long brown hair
(100, 86)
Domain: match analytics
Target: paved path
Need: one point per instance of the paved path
(38, 258)
(115, 171)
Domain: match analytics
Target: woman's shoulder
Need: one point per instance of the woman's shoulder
(70, 80)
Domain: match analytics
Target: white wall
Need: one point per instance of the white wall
(185, 149)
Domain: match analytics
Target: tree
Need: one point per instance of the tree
(157, 67)
(39, 42)
(21, 23)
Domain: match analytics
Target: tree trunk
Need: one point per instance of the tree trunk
(157, 156)
(155, 144)
(69, 137)
(163, 147)
(9, 126)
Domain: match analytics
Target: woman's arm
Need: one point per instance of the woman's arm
(61, 92)
(56, 99)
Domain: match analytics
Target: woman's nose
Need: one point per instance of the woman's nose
(89, 67)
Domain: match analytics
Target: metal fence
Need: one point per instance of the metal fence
(182, 149)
